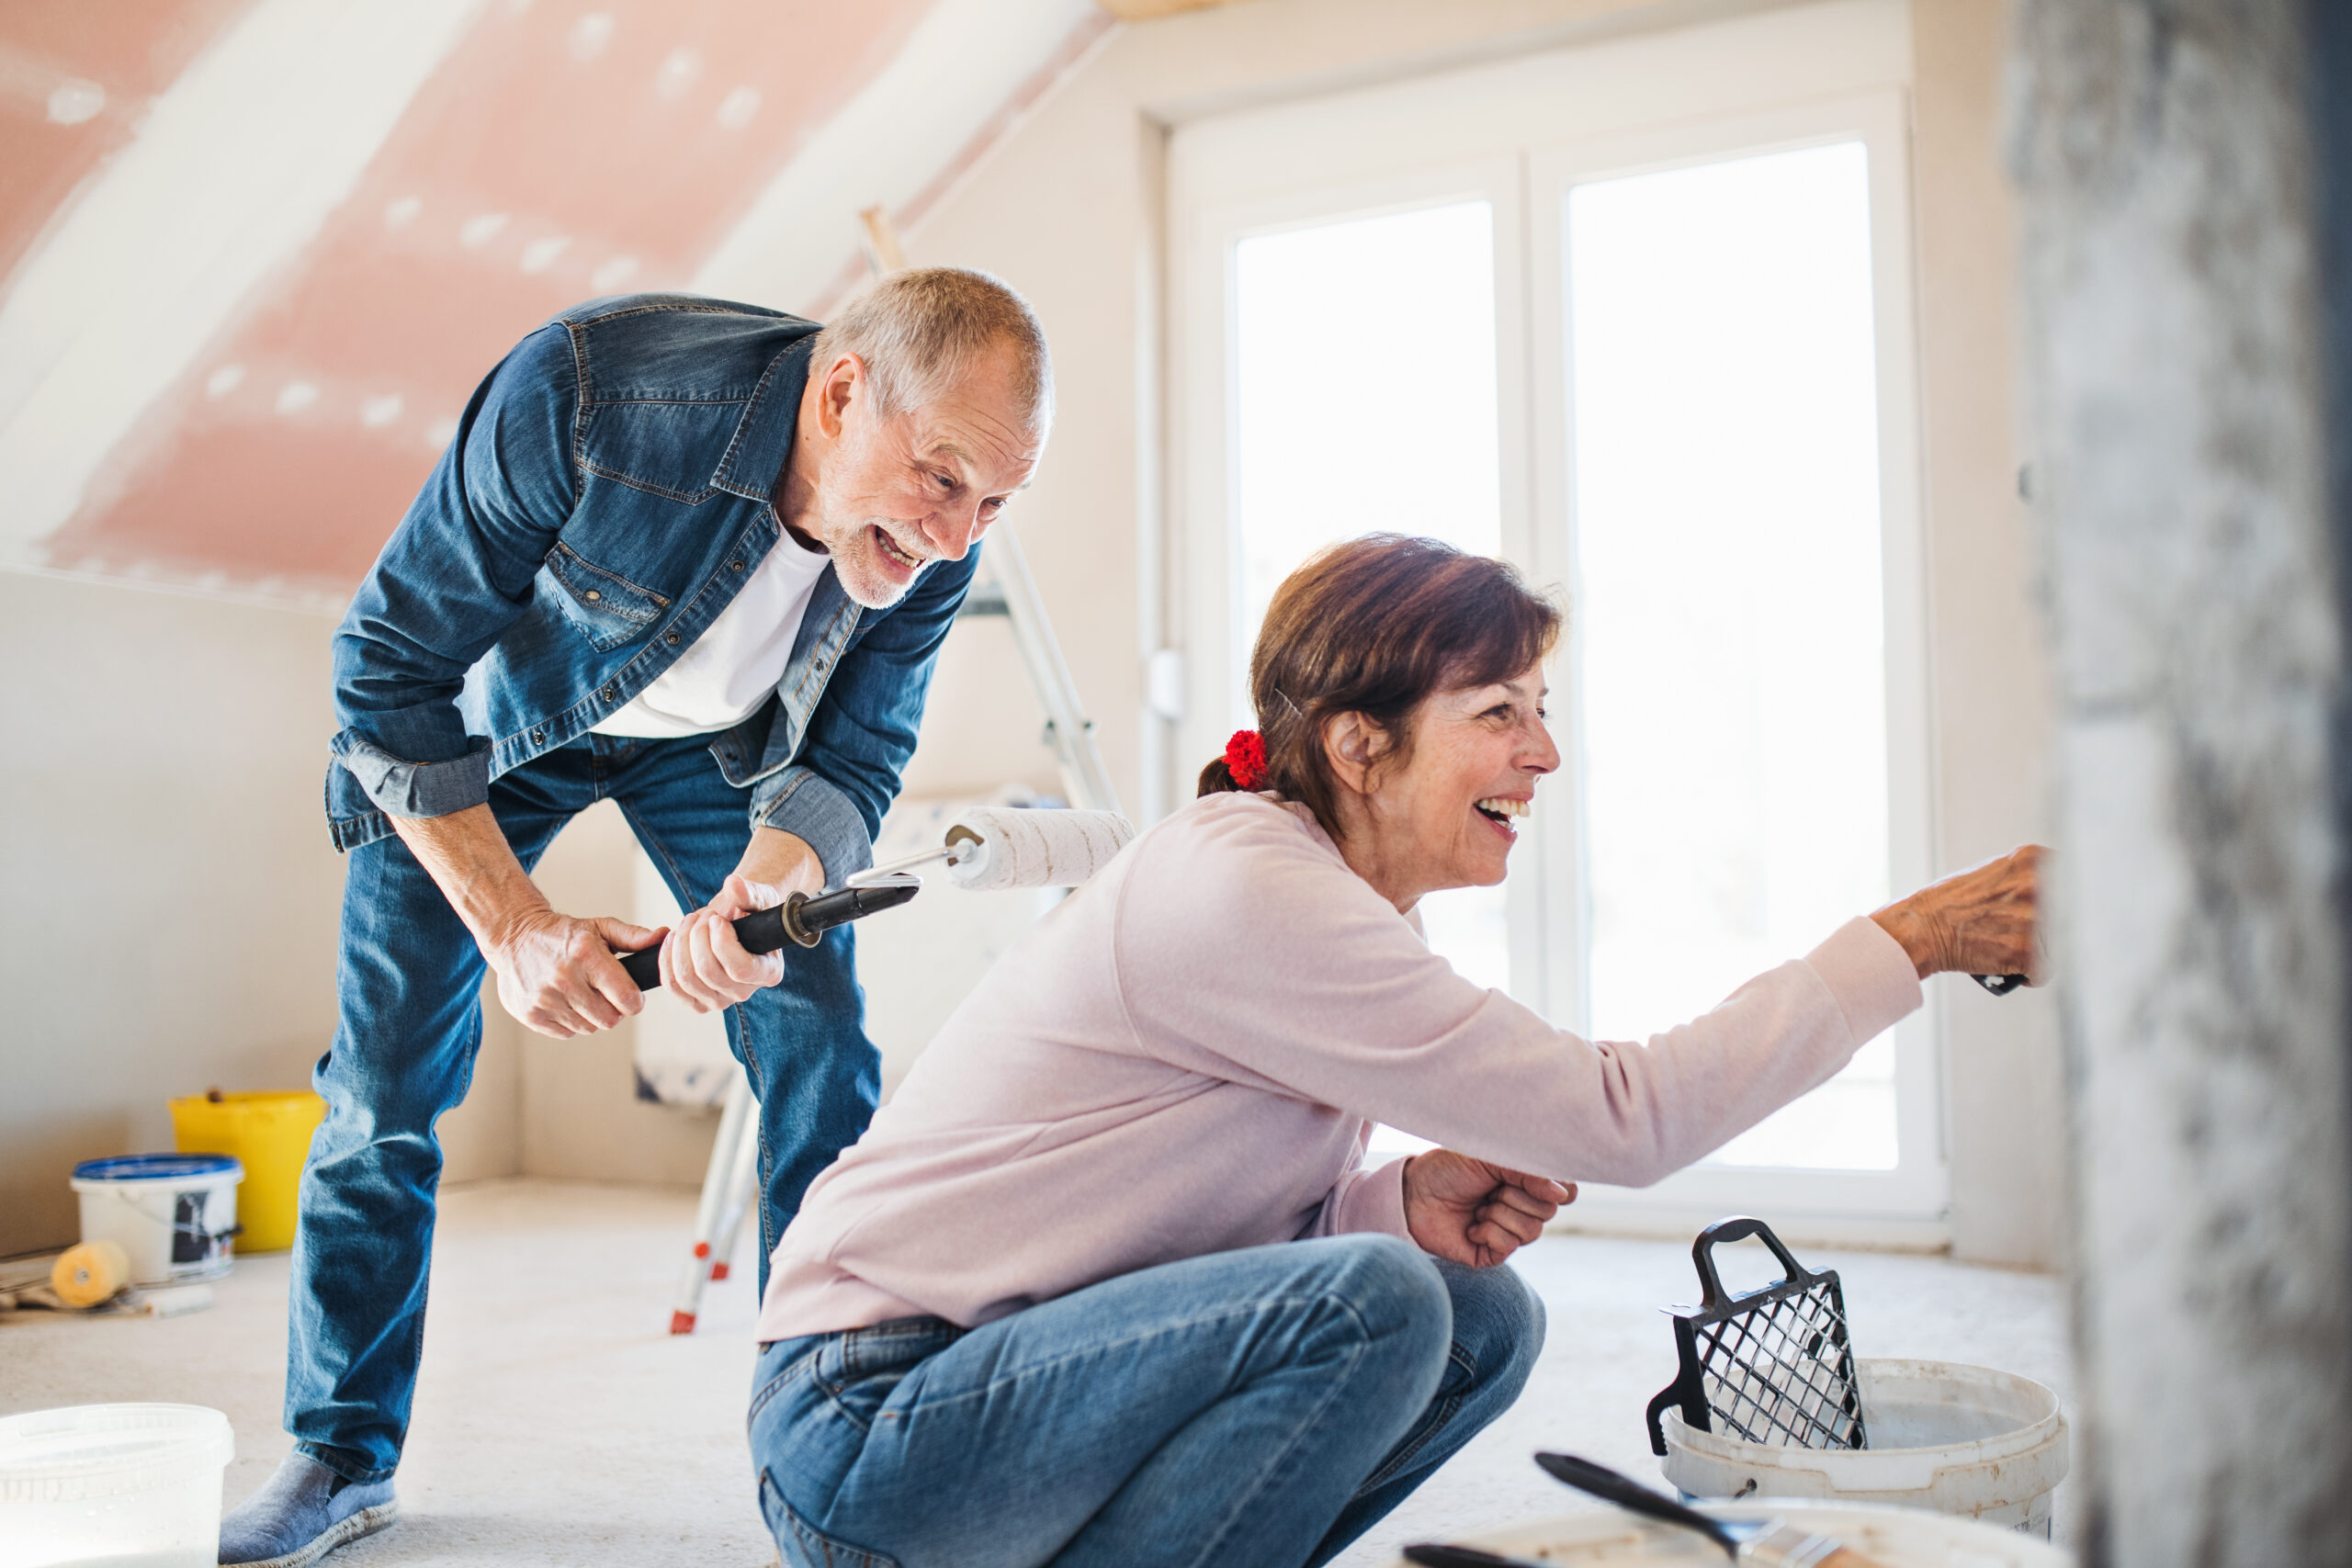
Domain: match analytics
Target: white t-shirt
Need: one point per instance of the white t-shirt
(726, 672)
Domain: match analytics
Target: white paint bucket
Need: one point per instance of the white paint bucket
(172, 1215)
(1895, 1537)
(1961, 1440)
(113, 1483)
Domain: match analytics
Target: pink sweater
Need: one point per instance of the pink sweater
(1183, 1058)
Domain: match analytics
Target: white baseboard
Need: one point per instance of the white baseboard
(1851, 1233)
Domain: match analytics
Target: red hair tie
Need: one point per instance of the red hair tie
(1245, 758)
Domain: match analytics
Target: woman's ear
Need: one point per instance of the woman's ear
(1353, 744)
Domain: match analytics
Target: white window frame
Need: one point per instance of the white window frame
(1918, 1189)
(1211, 544)
(1515, 135)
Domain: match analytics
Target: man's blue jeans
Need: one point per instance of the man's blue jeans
(1265, 1406)
(409, 985)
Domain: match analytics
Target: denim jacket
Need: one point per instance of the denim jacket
(607, 494)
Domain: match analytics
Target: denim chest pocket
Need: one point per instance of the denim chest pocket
(664, 447)
(608, 608)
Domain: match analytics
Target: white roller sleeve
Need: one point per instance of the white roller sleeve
(1031, 848)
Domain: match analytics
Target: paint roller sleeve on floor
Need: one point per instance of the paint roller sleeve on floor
(1015, 847)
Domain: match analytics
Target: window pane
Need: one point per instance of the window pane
(1725, 445)
(1364, 401)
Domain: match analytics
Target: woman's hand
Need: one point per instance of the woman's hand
(1468, 1211)
(1987, 920)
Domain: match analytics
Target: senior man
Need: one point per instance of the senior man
(695, 556)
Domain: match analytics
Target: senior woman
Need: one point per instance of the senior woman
(1106, 1282)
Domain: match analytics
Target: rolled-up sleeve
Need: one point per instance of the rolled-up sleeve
(456, 573)
(864, 730)
(821, 814)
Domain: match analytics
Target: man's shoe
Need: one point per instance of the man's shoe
(302, 1513)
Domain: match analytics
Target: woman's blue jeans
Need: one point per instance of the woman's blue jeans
(409, 985)
(1259, 1407)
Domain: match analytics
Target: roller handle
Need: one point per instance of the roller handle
(799, 919)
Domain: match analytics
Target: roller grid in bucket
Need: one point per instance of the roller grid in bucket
(1775, 1366)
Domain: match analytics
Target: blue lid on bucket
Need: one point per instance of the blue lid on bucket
(154, 1167)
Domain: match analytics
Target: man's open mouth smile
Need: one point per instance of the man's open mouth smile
(892, 553)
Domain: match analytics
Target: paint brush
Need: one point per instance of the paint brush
(1765, 1543)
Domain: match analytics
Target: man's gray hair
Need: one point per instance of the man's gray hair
(920, 330)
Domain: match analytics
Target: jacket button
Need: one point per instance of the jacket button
(671, 639)
(539, 737)
(592, 596)
(735, 565)
(611, 692)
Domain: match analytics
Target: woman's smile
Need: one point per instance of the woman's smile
(1499, 810)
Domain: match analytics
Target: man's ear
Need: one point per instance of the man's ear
(845, 383)
(1353, 744)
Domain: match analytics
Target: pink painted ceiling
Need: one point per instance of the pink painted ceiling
(562, 150)
(54, 129)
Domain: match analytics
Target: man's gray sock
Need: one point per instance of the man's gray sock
(302, 1513)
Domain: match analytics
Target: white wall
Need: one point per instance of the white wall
(169, 903)
(168, 897)
(1068, 209)
(2004, 1086)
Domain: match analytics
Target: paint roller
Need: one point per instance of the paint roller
(989, 848)
(986, 848)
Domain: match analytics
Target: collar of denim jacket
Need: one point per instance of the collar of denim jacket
(763, 436)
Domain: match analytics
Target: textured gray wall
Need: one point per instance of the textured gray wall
(2169, 277)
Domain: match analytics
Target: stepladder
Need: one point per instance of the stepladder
(1005, 587)
(729, 1188)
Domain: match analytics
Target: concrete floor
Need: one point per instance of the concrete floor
(558, 1423)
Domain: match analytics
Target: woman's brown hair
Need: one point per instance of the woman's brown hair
(1377, 625)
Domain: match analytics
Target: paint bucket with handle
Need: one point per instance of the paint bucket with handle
(1771, 1401)
(174, 1216)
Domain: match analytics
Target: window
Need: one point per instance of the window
(1336, 433)
(1724, 431)
(1637, 317)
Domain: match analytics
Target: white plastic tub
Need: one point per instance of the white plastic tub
(1957, 1439)
(172, 1215)
(113, 1486)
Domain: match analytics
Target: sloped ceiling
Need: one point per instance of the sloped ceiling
(259, 252)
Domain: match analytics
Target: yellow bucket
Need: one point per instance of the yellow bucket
(271, 1134)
